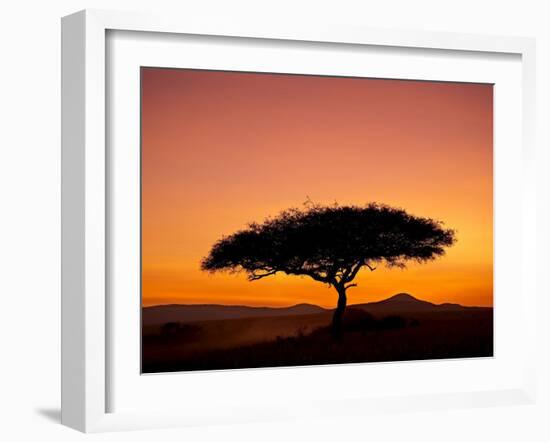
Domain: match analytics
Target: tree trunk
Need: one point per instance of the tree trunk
(339, 312)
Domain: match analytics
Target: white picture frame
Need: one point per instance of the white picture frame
(86, 203)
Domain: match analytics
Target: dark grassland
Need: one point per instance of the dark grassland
(306, 340)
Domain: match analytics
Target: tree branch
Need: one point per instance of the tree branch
(312, 275)
(350, 274)
(254, 276)
(353, 273)
(350, 286)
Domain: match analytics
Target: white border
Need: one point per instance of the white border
(127, 52)
(83, 282)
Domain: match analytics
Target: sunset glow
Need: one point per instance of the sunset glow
(223, 149)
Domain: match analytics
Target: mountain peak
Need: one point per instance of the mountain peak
(403, 297)
(399, 302)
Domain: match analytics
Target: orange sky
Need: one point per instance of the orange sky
(222, 149)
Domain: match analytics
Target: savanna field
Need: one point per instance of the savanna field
(400, 328)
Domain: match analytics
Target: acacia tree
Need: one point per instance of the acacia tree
(330, 244)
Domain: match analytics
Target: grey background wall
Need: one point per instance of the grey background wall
(30, 215)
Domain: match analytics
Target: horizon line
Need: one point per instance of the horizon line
(307, 303)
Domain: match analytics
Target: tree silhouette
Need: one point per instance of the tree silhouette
(330, 244)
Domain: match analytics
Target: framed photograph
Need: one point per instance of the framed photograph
(251, 211)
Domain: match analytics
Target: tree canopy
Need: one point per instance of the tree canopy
(330, 244)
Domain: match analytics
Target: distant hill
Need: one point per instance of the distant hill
(161, 314)
(397, 304)
(403, 302)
